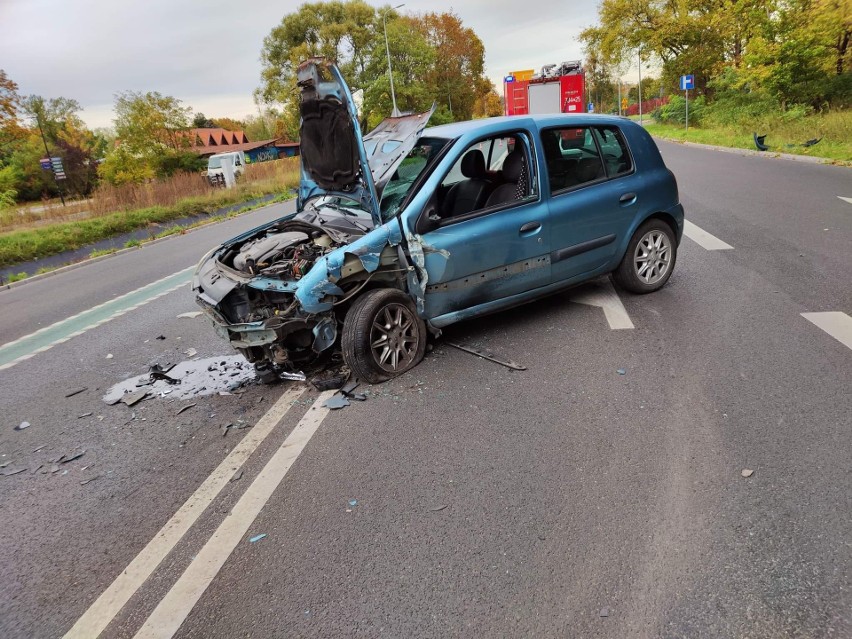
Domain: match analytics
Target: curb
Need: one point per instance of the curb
(92, 260)
(763, 154)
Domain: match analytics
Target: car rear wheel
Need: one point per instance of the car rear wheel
(382, 336)
(649, 260)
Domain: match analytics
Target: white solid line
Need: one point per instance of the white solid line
(845, 199)
(835, 323)
(113, 599)
(703, 238)
(171, 612)
(602, 294)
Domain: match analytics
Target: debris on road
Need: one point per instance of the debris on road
(35, 450)
(190, 352)
(295, 376)
(5, 463)
(76, 391)
(336, 402)
(438, 508)
(257, 538)
(353, 502)
(22, 426)
(190, 315)
(237, 476)
(185, 408)
(621, 371)
(160, 337)
(329, 382)
(9, 473)
(484, 354)
(109, 356)
(89, 480)
(604, 612)
(84, 415)
(71, 456)
(747, 472)
(158, 373)
(131, 399)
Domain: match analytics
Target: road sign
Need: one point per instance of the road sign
(591, 108)
(45, 163)
(59, 175)
(509, 78)
(687, 82)
(624, 103)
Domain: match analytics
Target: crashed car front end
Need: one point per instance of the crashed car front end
(278, 293)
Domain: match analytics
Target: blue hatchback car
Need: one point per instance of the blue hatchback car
(409, 229)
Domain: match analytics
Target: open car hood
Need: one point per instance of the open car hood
(335, 158)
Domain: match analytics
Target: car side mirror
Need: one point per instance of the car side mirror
(428, 220)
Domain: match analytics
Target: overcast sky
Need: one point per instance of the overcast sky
(207, 53)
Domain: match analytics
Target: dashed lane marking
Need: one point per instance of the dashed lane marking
(171, 612)
(835, 323)
(46, 338)
(703, 238)
(602, 295)
(113, 599)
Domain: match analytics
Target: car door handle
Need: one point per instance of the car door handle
(530, 227)
(627, 198)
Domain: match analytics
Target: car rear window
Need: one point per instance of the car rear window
(614, 149)
(572, 157)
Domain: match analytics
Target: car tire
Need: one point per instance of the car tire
(649, 260)
(382, 314)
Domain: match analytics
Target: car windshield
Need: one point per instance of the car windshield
(415, 164)
(214, 163)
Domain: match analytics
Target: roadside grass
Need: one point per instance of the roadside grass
(102, 252)
(16, 277)
(32, 243)
(835, 129)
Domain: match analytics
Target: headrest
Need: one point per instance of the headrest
(473, 164)
(513, 166)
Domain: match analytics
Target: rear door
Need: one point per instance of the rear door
(593, 196)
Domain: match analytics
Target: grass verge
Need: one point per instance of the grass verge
(28, 244)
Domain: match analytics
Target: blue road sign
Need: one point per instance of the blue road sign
(591, 108)
(509, 78)
(45, 163)
(687, 82)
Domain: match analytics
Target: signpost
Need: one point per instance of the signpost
(687, 82)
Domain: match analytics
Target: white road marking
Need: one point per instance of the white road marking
(835, 323)
(113, 599)
(171, 612)
(703, 238)
(602, 294)
(845, 199)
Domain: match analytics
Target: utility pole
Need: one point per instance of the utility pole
(46, 150)
(395, 113)
(640, 84)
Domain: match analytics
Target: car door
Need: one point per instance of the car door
(593, 197)
(498, 250)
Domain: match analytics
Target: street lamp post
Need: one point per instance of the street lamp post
(640, 84)
(395, 113)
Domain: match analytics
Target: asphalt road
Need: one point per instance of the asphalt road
(462, 499)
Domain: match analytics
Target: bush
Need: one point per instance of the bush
(675, 111)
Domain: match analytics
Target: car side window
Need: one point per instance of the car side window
(614, 149)
(490, 173)
(571, 157)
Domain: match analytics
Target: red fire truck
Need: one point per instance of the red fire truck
(556, 89)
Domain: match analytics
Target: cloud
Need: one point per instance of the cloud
(207, 53)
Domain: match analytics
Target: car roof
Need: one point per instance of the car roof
(486, 125)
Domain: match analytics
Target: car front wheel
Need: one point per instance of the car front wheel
(649, 260)
(382, 336)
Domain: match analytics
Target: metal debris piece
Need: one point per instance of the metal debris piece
(353, 502)
(479, 352)
(109, 356)
(349, 387)
(90, 479)
(333, 382)
(76, 391)
(190, 352)
(257, 538)
(84, 415)
(185, 408)
(157, 372)
(5, 463)
(39, 448)
(747, 472)
(296, 376)
(131, 399)
(604, 612)
(9, 473)
(359, 397)
(237, 476)
(336, 402)
(161, 337)
(439, 508)
(190, 315)
(71, 457)
(22, 426)
(621, 371)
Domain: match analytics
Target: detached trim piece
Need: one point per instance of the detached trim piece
(582, 247)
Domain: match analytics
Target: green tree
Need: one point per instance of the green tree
(9, 100)
(201, 121)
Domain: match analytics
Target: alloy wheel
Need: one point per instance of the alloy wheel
(394, 338)
(652, 257)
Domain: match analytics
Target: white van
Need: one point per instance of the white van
(214, 164)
